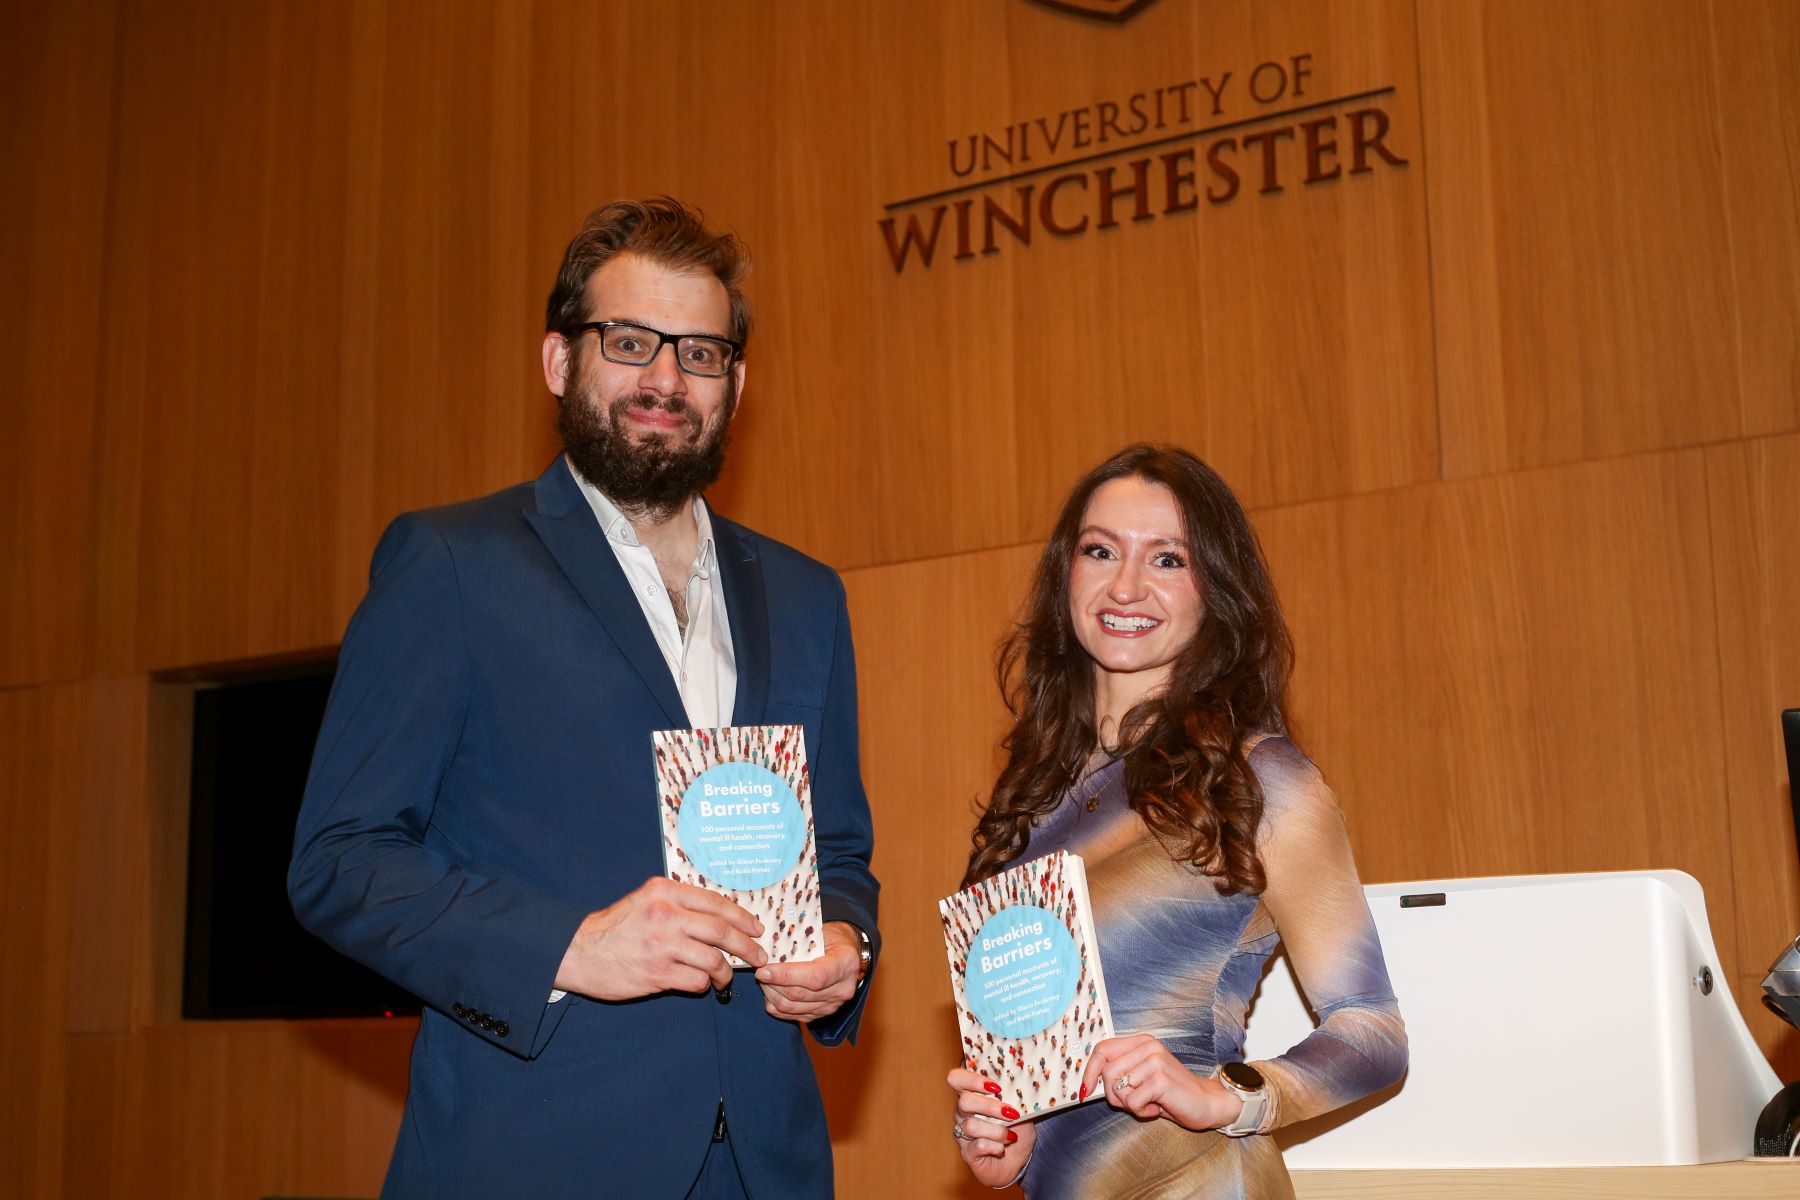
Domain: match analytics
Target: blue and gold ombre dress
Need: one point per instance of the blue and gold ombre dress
(1182, 962)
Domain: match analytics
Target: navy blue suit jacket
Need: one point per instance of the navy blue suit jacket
(484, 780)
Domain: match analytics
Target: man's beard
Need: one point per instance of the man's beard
(652, 476)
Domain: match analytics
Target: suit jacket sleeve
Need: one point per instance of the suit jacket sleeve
(846, 838)
(365, 877)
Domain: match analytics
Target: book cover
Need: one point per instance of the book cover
(735, 807)
(1025, 975)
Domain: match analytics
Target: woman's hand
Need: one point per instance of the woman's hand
(1144, 1079)
(995, 1153)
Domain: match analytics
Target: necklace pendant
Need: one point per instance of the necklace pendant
(1093, 803)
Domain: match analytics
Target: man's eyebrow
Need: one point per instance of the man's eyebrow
(643, 324)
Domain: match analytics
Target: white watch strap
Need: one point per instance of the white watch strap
(1249, 1120)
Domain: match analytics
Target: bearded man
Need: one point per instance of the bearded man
(480, 823)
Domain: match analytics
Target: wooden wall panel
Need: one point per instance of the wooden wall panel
(1602, 286)
(934, 351)
(454, 397)
(109, 890)
(235, 1110)
(56, 69)
(215, 480)
(1756, 571)
(276, 298)
(347, 1105)
(40, 738)
(931, 724)
(1518, 674)
(1323, 303)
(1755, 45)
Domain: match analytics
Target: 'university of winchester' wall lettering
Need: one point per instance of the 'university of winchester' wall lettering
(1153, 153)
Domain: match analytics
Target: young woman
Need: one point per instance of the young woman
(1147, 682)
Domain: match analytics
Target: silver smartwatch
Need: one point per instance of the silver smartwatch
(1246, 1083)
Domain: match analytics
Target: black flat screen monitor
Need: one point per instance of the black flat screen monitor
(1790, 731)
(246, 955)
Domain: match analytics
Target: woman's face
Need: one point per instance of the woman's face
(1133, 594)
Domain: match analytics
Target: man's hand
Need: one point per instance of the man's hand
(663, 937)
(803, 992)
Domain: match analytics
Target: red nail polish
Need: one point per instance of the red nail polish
(1012, 1135)
(989, 1086)
(1083, 1095)
(1010, 1113)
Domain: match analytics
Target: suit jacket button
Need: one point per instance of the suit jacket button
(501, 1028)
(459, 1010)
(473, 1015)
(487, 1022)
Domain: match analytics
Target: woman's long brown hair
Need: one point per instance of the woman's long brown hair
(1185, 771)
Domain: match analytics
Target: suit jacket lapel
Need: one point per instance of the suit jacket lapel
(569, 531)
(747, 606)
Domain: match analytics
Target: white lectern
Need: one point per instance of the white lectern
(1554, 1021)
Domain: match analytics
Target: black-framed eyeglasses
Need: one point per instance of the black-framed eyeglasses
(638, 345)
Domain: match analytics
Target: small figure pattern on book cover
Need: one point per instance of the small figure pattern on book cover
(735, 809)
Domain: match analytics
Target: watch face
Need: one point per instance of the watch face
(1243, 1076)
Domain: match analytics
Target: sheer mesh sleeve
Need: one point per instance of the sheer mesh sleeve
(1316, 902)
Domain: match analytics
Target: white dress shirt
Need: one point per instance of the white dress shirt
(701, 658)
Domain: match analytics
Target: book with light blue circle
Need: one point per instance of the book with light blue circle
(1025, 974)
(1021, 972)
(736, 817)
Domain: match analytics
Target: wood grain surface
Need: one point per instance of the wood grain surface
(56, 103)
(1601, 289)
